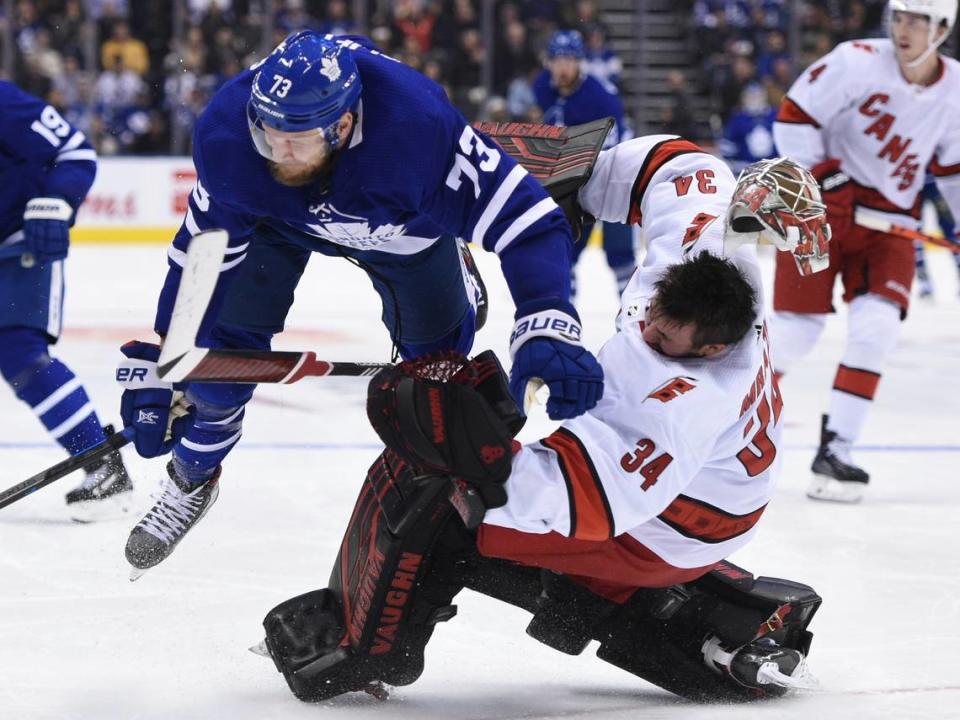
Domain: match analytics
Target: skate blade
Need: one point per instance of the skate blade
(830, 489)
(137, 573)
(260, 649)
(377, 690)
(115, 507)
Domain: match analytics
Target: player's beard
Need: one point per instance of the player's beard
(298, 175)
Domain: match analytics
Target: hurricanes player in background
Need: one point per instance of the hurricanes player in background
(868, 119)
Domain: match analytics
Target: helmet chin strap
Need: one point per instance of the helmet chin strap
(932, 46)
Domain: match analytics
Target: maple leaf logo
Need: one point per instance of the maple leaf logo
(330, 68)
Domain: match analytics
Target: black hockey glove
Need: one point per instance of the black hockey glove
(458, 421)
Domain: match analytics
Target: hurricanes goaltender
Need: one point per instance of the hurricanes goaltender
(615, 527)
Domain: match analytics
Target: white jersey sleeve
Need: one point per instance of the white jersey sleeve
(824, 90)
(675, 191)
(945, 168)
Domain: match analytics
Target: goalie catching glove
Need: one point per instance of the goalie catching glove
(444, 414)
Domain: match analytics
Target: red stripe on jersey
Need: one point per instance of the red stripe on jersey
(943, 170)
(854, 381)
(659, 155)
(590, 515)
(706, 523)
(869, 198)
(793, 114)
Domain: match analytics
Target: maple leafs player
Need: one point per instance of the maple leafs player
(567, 95)
(631, 507)
(329, 146)
(47, 168)
(867, 119)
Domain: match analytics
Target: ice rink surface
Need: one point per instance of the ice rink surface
(79, 641)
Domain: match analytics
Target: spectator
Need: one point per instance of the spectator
(742, 73)
(337, 20)
(601, 61)
(26, 24)
(69, 30)
(748, 134)
(116, 92)
(130, 49)
(774, 49)
(293, 17)
(457, 17)
(49, 61)
(521, 101)
(676, 118)
(513, 56)
(413, 20)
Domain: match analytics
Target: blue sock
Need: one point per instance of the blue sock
(60, 402)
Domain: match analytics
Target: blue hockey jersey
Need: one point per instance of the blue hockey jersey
(590, 101)
(747, 138)
(413, 172)
(41, 155)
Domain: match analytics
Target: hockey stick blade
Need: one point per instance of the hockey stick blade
(65, 467)
(269, 366)
(879, 224)
(201, 270)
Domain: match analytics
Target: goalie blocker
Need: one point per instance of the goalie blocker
(408, 552)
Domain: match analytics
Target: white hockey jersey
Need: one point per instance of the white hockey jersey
(855, 105)
(680, 453)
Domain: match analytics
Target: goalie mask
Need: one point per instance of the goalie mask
(779, 201)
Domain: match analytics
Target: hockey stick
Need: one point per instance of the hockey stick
(182, 361)
(885, 226)
(65, 467)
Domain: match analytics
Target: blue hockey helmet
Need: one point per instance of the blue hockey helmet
(566, 43)
(307, 83)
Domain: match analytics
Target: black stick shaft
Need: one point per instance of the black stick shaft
(64, 468)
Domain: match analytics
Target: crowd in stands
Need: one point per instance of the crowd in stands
(746, 65)
(135, 75)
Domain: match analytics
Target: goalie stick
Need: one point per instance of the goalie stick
(65, 467)
(885, 226)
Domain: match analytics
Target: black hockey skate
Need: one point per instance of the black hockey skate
(181, 505)
(483, 305)
(835, 477)
(106, 492)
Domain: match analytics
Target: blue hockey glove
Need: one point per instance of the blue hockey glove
(46, 228)
(545, 344)
(156, 410)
